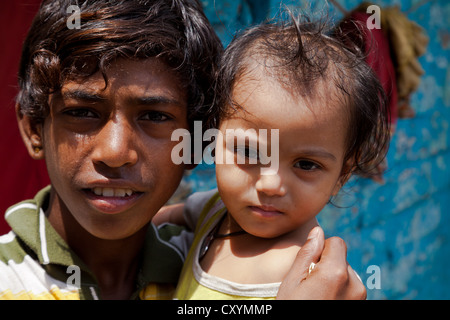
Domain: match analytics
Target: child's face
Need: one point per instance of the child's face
(311, 155)
(108, 151)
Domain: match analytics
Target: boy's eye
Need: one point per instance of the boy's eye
(306, 165)
(155, 116)
(80, 113)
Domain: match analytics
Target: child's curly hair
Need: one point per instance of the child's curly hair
(300, 54)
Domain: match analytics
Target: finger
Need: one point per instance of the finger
(356, 290)
(334, 253)
(311, 251)
(333, 266)
(339, 273)
(353, 274)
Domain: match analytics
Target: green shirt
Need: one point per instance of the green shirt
(36, 263)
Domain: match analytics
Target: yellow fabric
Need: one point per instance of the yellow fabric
(195, 291)
(188, 286)
(53, 294)
(157, 292)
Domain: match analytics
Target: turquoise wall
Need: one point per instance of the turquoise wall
(402, 226)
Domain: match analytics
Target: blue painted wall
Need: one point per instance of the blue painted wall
(402, 226)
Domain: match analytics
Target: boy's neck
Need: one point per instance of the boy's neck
(114, 263)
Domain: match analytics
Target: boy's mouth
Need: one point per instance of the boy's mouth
(112, 192)
(112, 200)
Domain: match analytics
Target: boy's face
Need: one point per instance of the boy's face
(312, 142)
(108, 150)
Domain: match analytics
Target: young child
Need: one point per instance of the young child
(99, 104)
(331, 115)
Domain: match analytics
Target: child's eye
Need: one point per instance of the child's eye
(306, 165)
(246, 152)
(155, 116)
(80, 113)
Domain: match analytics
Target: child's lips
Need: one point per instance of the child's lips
(112, 200)
(266, 211)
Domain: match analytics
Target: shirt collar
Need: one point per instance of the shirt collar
(161, 262)
(28, 221)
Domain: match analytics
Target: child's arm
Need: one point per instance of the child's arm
(170, 214)
(184, 214)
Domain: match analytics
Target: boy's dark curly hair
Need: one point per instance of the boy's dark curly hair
(175, 31)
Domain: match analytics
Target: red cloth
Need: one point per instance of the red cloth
(379, 58)
(22, 176)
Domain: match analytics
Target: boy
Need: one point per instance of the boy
(99, 103)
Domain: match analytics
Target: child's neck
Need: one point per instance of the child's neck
(229, 226)
(244, 258)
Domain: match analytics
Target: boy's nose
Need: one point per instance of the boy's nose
(271, 184)
(115, 144)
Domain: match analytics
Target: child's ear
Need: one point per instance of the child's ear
(346, 173)
(31, 133)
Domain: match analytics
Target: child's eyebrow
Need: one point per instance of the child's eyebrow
(319, 154)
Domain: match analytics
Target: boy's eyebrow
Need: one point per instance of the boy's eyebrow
(153, 100)
(141, 100)
(83, 95)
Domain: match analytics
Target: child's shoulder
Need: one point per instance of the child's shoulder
(278, 261)
(280, 253)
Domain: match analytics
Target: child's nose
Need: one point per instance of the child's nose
(115, 145)
(271, 184)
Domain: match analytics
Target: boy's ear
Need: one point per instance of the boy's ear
(31, 133)
(346, 173)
